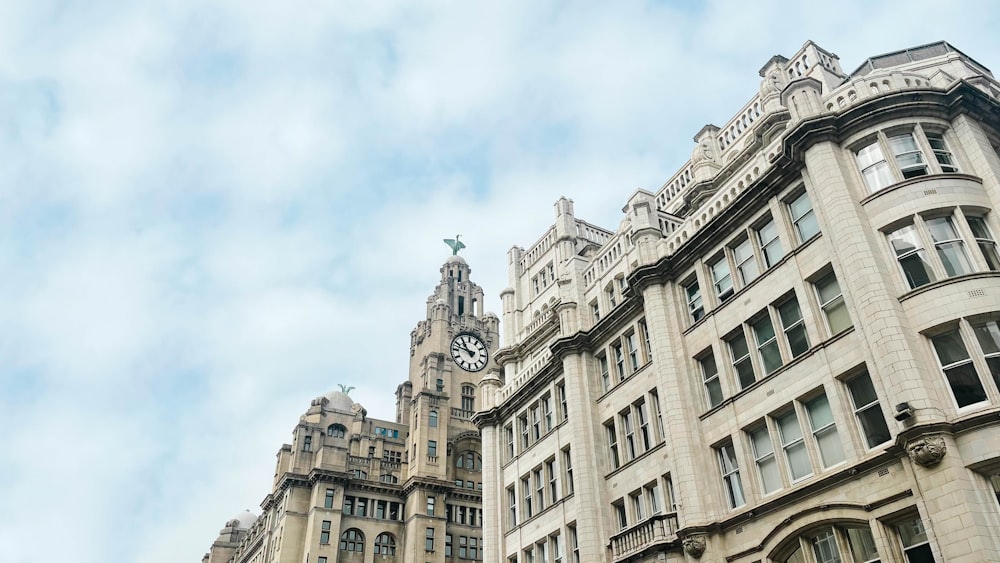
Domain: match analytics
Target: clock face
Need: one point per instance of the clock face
(469, 352)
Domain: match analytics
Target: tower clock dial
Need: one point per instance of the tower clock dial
(469, 352)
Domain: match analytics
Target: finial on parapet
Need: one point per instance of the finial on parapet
(454, 244)
(344, 389)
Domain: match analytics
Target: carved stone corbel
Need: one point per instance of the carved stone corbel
(694, 545)
(926, 451)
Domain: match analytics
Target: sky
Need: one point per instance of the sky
(213, 212)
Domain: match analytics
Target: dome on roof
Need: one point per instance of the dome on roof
(243, 520)
(339, 400)
(455, 258)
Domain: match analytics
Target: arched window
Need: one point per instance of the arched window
(359, 473)
(468, 398)
(385, 544)
(432, 419)
(352, 540)
(389, 478)
(336, 430)
(470, 461)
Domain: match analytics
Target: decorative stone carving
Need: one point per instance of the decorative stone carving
(926, 451)
(694, 545)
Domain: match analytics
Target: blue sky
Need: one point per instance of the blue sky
(212, 212)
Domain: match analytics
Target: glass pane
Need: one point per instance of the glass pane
(988, 335)
(763, 330)
(979, 228)
(798, 342)
(953, 257)
(708, 366)
(789, 312)
(950, 348)
(796, 556)
(819, 412)
(825, 547)
(728, 457)
(744, 371)
(738, 346)
(873, 425)
(769, 477)
(798, 461)
(800, 206)
(905, 240)
(770, 355)
(920, 554)
(788, 426)
(870, 155)
(903, 143)
(862, 544)
(830, 448)
(714, 392)
(761, 442)
(736, 490)
(989, 250)
(916, 269)
(862, 390)
(994, 363)
(911, 532)
(828, 288)
(965, 384)
(878, 176)
(807, 226)
(941, 229)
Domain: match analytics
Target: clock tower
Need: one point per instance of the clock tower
(451, 351)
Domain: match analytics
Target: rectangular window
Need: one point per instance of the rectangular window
(522, 424)
(794, 327)
(447, 545)
(958, 369)
(644, 330)
(626, 420)
(429, 539)
(328, 501)
(740, 353)
(633, 350)
(770, 244)
(746, 262)
(825, 547)
(913, 537)
(556, 548)
(430, 506)
(767, 343)
(567, 463)
(563, 411)
(550, 474)
(539, 489)
(307, 444)
(803, 218)
(730, 468)
(710, 376)
(526, 510)
(794, 446)
(643, 419)
(432, 448)
(874, 168)
(547, 412)
(610, 292)
(619, 361)
(609, 428)
(655, 497)
(988, 335)
(595, 309)
(985, 241)
(536, 424)
(908, 156)
(824, 431)
(602, 362)
(654, 397)
(574, 542)
(637, 506)
(324, 534)
(941, 153)
(867, 410)
(721, 278)
(621, 516)
(767, 464)
(508, 432)
(695, 305)
(832, 302)
(949, 245)
(910, 254)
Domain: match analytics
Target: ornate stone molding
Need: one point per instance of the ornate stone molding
(694, 545)
(926, 451)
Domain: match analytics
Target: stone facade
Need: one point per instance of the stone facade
(790, 352)
(352, 488)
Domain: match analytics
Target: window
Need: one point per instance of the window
(595, 309)
(985, 241)
(567, 463)
(770, 245)
(710, 377)
(574, 543)
(551, 475)
(463, 547)
(539, 489)
(547, 412)
(767, 464)
(695, 305)
(430, 505)
(958, 369)
(644, 330)
(328, 501)
(470, 461)
(721, 278)
(522, 422)
(767, 343)
(638, 507)
(626, 420)
(526, 491)
(447, 545)
(941, 153)
(746, 262)
(911, 256)
(321, 559)
(385, 544)
(361, 506)
(536, 423)
(348, 505)
(740, 354)
(730, 468)
(468, 398)
(654, 398)
(908, 157)
(874, 168)
(633, 350)
(508, 432)
(556, 548)
(824, 430)
(429, 539)
(803, 218)
(988, 335)
(352, 540)
(867, 410)
(832, 302)
(619, 361)
(610, 292)
(389, 478)
(432, 419)
(794, 446)
(307, 442)
(836, 544)
(602, 361)
(621, 516)
(324, 534)
(609, 427)
(336, 430)
(793, 326)
(825, 547)
(561, 392)
(949, 245)
(511, 508)
(643, 419)
(913, 538)
(432, 448)
(440, 385)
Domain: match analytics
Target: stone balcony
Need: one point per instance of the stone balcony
(655, 533)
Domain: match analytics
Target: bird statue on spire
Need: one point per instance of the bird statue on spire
(454, 244)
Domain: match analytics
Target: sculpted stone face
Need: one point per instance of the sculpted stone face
(926, 450)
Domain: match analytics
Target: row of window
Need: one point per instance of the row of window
(464, 515)
(353, 540)
(537, 420)
(773, 337)
(908, 147)
(749, 254)
(550, 548)
(962, 370)
(368, 508)
(946, 231)
(614, 294)
(644, 502)
(624, 355)
(469, 547)
(635, 426)
(543, 278)
(799, 440)
(540, 488)
(855, 542)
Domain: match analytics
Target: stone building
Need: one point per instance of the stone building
(353, 488)
(790, 352)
